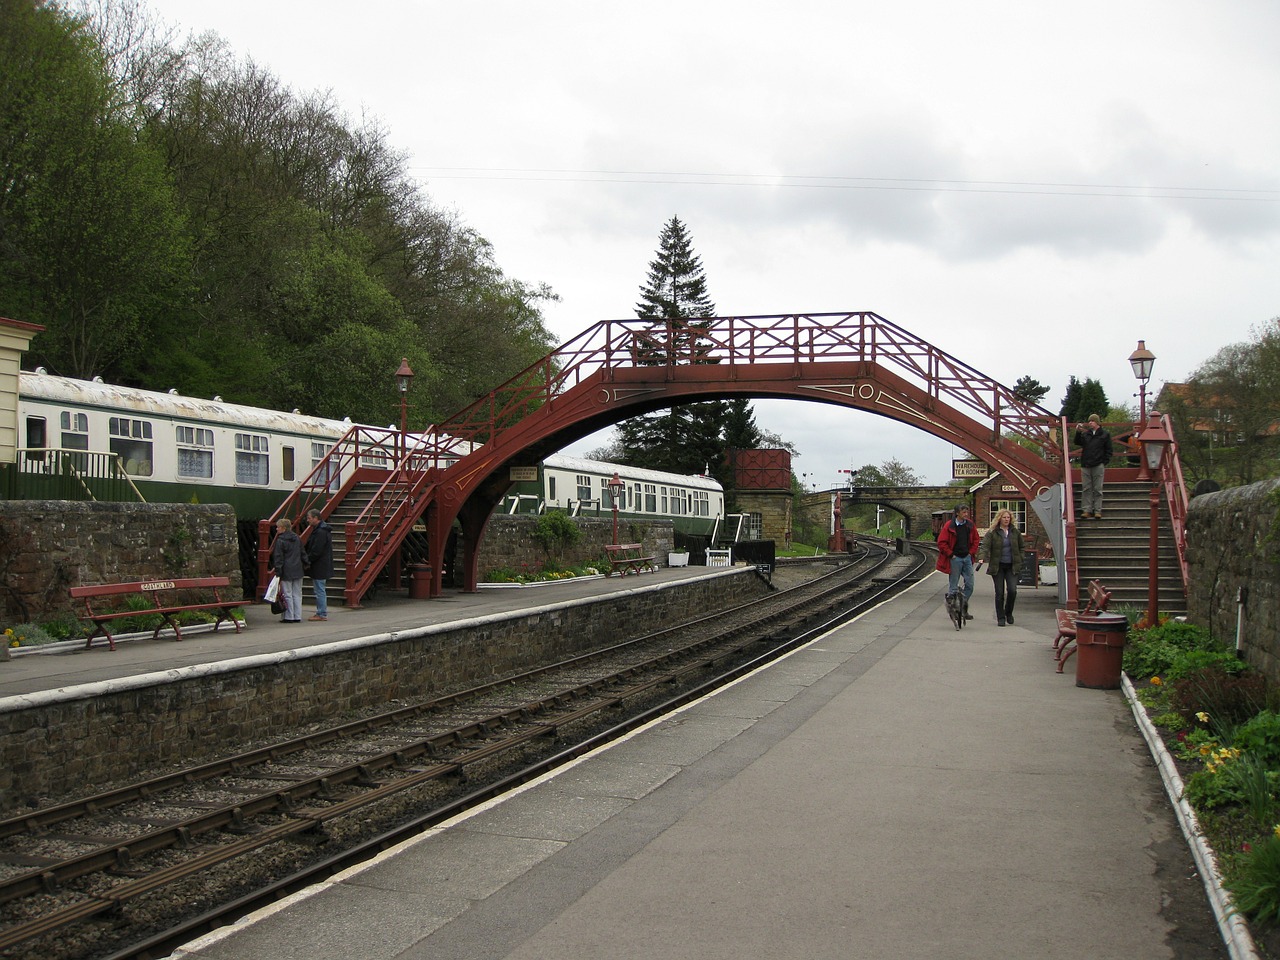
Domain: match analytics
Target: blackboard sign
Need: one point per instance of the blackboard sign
(1029, 575)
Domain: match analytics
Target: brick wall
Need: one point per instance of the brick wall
(48, 546)
(56, 742)
(1233, 541)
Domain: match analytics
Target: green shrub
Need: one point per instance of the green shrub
(64, 627)
(1153, 651)
(555, 530)
(1255, 881)
(1259, 736)
(1187, 662)
(26, 635)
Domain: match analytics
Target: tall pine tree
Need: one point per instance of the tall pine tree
(687, 438)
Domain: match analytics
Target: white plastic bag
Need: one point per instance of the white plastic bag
(273, 590)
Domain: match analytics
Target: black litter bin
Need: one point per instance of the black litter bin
(1100, 650)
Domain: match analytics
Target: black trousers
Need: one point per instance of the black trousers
(1006, 583)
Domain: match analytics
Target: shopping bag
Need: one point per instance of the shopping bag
(273, 590)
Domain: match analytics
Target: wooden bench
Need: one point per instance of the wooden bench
(627, 558)
(1064, 645)
(166, 597)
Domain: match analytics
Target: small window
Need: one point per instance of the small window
(330, 476)
(253, 462)
(37, 432)
(665, 508)
(131, 442)
(551, 489)
(286, 463)
(1017, 507)
(650, 498)
(195, 452)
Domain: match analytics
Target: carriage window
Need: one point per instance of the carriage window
(195, 452)
(635, 497)
(702, 504)
(650, 498)
(131, 442)
(665, 508)
(75, 430)
(286, 463)
(584, 487)
(253, 463)
(606, 495)
(36, 427)
(330, 476)
(551, 489)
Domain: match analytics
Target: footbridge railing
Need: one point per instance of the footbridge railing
(750, 340)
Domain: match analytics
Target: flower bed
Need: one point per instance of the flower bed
(1219, 723)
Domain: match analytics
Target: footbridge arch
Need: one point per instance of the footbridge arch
(617, 369)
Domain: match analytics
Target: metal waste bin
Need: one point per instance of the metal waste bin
(1100, 650)
(419, 581)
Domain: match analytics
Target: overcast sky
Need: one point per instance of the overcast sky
(1031, 187)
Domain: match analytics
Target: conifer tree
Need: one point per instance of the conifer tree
(688, 438)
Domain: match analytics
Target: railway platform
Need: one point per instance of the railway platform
(895, 789)
(72, 665)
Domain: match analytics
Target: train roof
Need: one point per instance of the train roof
(697, 481)
(91, 393)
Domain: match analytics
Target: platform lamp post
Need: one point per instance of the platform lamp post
(616, 487)
(404, 376)
(1156, 441)
(1142, 360)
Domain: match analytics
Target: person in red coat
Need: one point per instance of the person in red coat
(958, 541)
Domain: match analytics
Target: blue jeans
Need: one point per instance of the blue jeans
(961, 566)
(322, 598)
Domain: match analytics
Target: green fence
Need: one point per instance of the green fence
(56, 474)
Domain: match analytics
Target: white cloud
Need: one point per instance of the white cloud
(990, 97)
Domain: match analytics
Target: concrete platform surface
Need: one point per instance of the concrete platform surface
(896, 789)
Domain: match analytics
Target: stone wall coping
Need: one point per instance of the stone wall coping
(99, 688)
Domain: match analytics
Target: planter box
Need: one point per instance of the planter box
(678, 559)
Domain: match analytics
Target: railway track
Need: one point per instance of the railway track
(134, 871)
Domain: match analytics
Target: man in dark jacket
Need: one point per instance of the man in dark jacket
(1095, 452)
(319, 560)
(958, 541)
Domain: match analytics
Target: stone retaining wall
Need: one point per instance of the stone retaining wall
(508, 542)
(56, 742)
(49, 546)
(1233, 541)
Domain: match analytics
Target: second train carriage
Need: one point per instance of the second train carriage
(581, 487)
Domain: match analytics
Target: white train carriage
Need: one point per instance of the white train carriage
(580, 487)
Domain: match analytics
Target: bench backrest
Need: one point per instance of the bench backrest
(149, 586)
(624, 547)
(1099, 597)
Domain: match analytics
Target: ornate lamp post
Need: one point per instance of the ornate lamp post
(1155, 441)
(616, 487)
(404, 376)
(1142, 360)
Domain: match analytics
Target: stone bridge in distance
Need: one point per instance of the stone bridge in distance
(916, 505)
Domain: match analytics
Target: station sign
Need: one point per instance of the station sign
(969, 469)
(523, 474)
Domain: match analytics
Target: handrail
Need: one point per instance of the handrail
(1175, 495)
(793, 338)
(60, 462)
(1069, 525)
